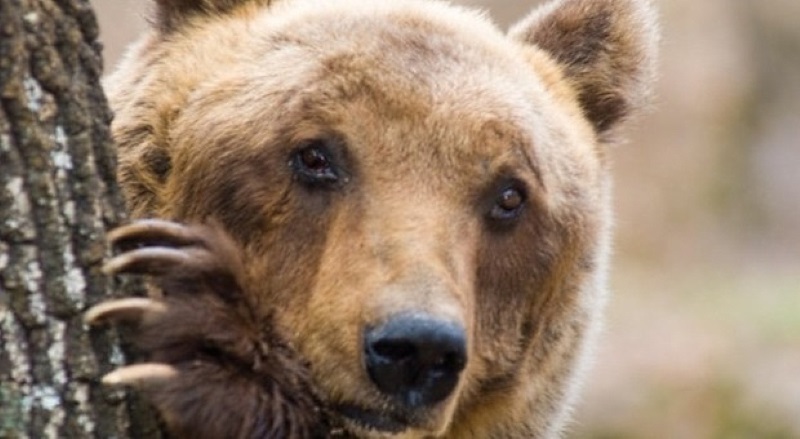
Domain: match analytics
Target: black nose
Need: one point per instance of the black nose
(416, 360)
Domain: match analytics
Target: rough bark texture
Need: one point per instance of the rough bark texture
(57, 199)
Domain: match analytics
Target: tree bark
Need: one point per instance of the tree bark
(58, 197)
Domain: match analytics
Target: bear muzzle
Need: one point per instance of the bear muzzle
(416, 360)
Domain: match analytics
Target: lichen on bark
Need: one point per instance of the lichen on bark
(58, 198)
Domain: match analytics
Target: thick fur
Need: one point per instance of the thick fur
(431, 113)
(604, 47)
(204, 327)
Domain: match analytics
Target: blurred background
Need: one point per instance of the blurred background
(703, 332)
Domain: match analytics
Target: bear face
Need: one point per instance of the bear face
(421, 202)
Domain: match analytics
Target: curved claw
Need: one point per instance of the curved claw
(152, 232)
(139, 374)
(126, 310)
(147, 260)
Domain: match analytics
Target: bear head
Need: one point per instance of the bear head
(422, 200)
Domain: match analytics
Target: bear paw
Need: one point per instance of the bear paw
(214, 368)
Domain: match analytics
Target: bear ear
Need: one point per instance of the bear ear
(606, 48)
(172, 14)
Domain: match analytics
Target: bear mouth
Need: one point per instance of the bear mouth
(379, 421)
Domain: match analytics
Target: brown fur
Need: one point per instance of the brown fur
(605, 49)
(431, 112)
(224, 352)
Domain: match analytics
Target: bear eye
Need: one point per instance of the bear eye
(508, 204)
(313, 165)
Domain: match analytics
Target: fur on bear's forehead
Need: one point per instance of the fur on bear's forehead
(394, 62)
(405, 46)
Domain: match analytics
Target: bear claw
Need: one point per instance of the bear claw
(147, 260)
(139, 374)
(152, 232)
(123, 310)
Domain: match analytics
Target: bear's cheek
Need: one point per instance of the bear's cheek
(511, 269)
(532, 286)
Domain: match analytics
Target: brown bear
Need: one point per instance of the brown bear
(407, 211)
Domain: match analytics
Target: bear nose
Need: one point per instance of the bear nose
(416, 360)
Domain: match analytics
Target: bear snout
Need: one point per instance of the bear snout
(415, 359)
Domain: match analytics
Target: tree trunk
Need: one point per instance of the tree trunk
(58, 197)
